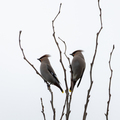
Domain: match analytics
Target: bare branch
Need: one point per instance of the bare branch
(42, 109)
(25, 56)
(109, 91)
(63, 110)
(91, 80)
(54, 113)
(68, 101)
(48, 86)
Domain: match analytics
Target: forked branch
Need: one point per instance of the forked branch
(70, 96)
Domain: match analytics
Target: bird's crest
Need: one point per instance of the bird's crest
(76, 52)
(46, 55)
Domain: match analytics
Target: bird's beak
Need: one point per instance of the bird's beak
(39, 59)
(71, 54)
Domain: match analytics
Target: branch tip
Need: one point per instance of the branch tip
(109, 89)
(92, 63)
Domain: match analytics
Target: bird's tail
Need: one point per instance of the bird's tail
(61, 90)
(72, 85)
(58, 85)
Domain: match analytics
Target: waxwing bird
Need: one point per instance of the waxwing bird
(78, 67)
(47, 71)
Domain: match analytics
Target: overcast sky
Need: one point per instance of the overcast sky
(21, 88)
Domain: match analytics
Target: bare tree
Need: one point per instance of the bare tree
(68, 97)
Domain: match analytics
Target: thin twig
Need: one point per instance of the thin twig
(52, 105)
(43, 109)
(109, 90)
(91, 80)
(63, 110)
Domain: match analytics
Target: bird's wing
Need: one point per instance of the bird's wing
(80, 77)
(50, 69)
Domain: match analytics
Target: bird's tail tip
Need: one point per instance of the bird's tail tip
(69, 90)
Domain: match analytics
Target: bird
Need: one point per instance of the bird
(47, 71)
(78, 66)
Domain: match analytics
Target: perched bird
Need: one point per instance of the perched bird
(78, 67)
(47, 71)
